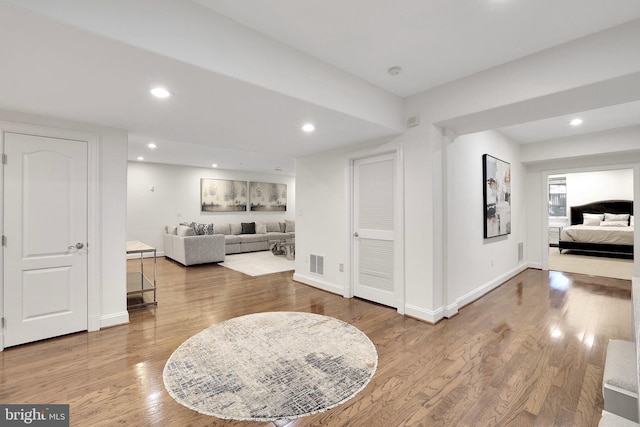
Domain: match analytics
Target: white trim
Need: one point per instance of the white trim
(94, 238)
(482, 290)
(422, 314)
(114, 319)
(545, 173)
(319, 283)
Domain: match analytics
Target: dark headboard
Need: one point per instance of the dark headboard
(608, 206)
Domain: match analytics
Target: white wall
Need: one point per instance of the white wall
(110, 271)
(476, 265)
(323, 222)
(587, 187)
(176, 198)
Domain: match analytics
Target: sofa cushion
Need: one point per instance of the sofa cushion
(185, 230)
(230, 239)
(248, 227)
(261, 227)
(273, 227)
(289, 226)
(171, 229)
(252, 238)
(221, 229)
(236, 229)
(283, 227)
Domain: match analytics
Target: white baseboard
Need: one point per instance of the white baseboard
(422, 314)
(452, 309)
(535, 265)
(93, 323)
(319, 283)
(114, 319)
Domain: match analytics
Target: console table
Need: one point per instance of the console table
(138, 284)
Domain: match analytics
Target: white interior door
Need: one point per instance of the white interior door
(45, 224)
(374, 229)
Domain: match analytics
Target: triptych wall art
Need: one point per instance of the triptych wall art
(497, 196)
(222, 195)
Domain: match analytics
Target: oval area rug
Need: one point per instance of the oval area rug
(271, 366)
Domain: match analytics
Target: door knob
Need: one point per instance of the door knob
(356, 234)
(78, 245)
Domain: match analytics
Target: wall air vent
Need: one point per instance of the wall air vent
(316, 264)
(520, 251)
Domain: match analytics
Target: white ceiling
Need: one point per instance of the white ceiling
(246, 75)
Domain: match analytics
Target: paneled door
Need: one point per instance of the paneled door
(374, 229)
(45, 224)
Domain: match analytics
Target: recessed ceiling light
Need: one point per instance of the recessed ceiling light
(575, 122)
(151, 145)
(140, 158)
(215, 165)
(160, 92)
(308, 127)
(394, 71)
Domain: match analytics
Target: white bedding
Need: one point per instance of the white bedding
(598, 234)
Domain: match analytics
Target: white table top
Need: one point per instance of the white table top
(136, 246)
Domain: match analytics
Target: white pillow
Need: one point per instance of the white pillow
(171, 229)
(631, 218)
(614, 224)
(261, 227)
(616, 217)
(592, 219)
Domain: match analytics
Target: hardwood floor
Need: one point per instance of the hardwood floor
(529, 353)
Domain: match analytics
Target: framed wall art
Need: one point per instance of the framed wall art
(497, 196)
(222, 195)
(268, 197)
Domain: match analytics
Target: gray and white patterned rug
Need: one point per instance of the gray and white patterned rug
(271, 366)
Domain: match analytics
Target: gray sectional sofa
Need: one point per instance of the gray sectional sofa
(193, 243)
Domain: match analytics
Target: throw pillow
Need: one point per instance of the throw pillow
(592, 219)
(199, 228)
(236, 229)
(631, 220)
(248, 227)
(273, 227)
(283, 227)
(289, 226)
(614, 224)
(616, 217)
(261, 228)
(185, 230)
(171, 229)
(207, 228)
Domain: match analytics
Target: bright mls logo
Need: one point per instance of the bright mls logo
(36, 415)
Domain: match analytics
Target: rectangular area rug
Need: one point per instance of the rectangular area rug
(258, 263)
(592, 265)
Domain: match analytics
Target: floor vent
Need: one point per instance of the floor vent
(520, 251)
(317, 264)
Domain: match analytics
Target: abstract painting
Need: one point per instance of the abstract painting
(497, 196)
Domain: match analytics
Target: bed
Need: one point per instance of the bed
(587, 234)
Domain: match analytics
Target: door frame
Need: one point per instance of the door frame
(544, 202)
(399, 274)
(93, 220)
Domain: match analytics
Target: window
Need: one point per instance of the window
(557, 197)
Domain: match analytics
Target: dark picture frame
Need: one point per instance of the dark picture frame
(223, 195)
(496, 176)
